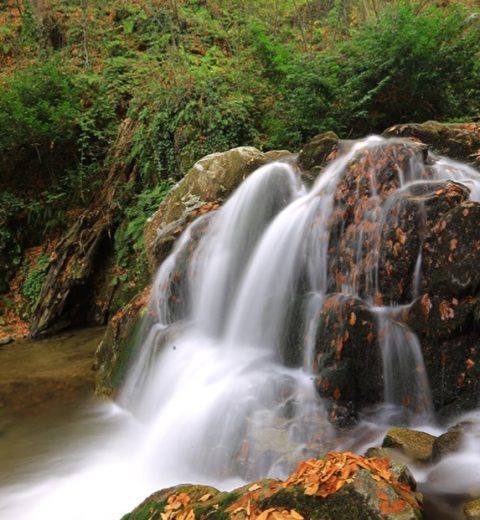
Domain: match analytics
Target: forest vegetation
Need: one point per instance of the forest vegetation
(199, 76)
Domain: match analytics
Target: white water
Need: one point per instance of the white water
(209, 398)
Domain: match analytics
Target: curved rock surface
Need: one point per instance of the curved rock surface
(204, 188)
(341, 485)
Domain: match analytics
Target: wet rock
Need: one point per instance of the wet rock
(316, 153)
(119, 343)
(372, 175)
(472, 509)
(451, 252)
(459, 141)
(346, 351)
(408, 215)
(447, 443)
(204, 188)
(433, 316)
(416, 445)
(453, 368)
(397, 464)
(341, 485)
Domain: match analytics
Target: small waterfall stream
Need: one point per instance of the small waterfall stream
(222, 391)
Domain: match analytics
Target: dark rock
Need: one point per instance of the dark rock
(370, 177)
(451, 252)
(347, 349)
(407, 216)
(67, 294)
(447, 443)
(459, 141)
(433, 316)
(453, 368)
(418, 446)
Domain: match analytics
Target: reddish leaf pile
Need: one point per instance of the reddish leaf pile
(325, 477)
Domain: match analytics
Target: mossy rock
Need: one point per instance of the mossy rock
(416, 445)
(371, 491)
(119, 344)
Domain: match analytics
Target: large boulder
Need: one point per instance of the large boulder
(370, 177)
(346, 350)
(408, 216)
(205, 187)
(341, 485)
(451, 252)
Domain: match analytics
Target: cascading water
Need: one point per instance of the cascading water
(221, 390)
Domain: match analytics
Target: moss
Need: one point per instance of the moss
(146, 511)
(344, 504)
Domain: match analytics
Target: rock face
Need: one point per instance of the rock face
(346, 350)
(392, 243)
(369, 178)
(68, 291)
(342, 485)
(204, 188)
(118, 344)
(458, 141)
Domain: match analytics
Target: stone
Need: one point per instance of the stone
(316, 154)
(346, 349)
(418, 446)
(447, 443)
(451, 253)
(472, 509)
(408, 216)
(371, 176)
(351, 487)
(204, 188)
(460, 141)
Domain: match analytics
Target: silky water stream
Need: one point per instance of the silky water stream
(215, 394)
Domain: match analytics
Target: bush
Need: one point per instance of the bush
(34, 281)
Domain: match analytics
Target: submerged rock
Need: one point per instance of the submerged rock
(339, 486)
(204, 188)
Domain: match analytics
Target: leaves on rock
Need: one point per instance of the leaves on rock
(177, 508)
(323, 477)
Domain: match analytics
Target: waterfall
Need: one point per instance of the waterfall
(221, 390)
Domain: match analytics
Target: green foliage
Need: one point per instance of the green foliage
(408, 67)
(34, 281)
(39, 108)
